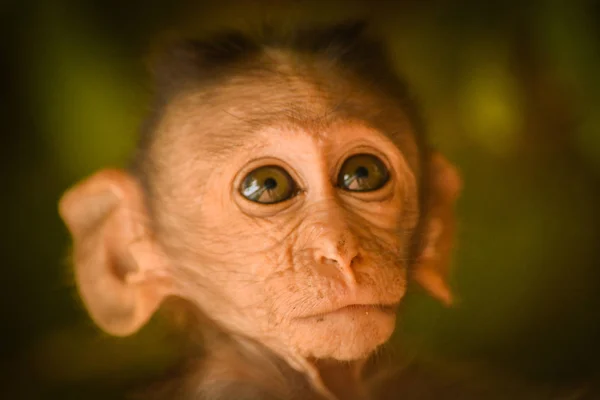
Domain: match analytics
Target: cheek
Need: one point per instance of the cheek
(238, 273)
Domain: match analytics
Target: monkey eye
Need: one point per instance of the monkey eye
(362, 173)
(268, 185)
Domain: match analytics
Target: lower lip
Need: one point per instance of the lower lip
(358, 309)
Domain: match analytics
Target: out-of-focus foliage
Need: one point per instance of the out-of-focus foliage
(510, 92)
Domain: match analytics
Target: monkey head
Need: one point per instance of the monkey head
(280, 190)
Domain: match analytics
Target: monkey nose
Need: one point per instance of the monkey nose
(341, 252)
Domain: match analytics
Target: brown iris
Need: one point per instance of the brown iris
(363, 173)
(268, 185)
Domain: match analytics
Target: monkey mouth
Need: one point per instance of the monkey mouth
(357, 309)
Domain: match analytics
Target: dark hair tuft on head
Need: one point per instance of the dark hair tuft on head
(334, 41)
(208, 60)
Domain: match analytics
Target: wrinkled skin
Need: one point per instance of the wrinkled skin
(317, 276)
(281, 273)
(280, 270)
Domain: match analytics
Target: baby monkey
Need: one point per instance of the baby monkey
(283, 188)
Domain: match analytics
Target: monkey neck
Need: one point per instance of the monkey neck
(328, 379)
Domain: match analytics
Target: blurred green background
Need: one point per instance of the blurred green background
(511, 91)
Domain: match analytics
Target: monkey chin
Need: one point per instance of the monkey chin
(348, 334)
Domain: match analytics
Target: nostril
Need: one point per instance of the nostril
(342, 251)
(340, 260)
(328, 261)
(355, 260)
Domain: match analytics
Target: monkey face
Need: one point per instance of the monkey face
(299, 239)
(277, 192)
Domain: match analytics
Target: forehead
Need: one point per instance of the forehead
(210, 125)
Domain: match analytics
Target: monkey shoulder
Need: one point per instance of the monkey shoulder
(458, 382)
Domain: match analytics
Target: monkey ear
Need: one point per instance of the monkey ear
(432, 267)
(120, 271)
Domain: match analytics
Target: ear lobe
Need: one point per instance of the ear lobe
(120, 272)
(433, 264)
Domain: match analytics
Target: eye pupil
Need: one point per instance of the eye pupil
(362, 172)
(270, 183)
